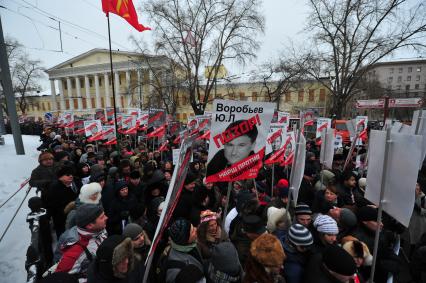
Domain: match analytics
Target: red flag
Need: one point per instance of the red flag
(124, 9)
(309, 123)
(163, 146)
(177, 140)
(205, 136)
(363, 135)
(131, 131)
(113, 141)
(97, 137)
(159, 132)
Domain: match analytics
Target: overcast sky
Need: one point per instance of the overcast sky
(84, 27)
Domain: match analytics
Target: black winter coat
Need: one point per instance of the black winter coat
(57, 197)
(120, 211)
(42, 177)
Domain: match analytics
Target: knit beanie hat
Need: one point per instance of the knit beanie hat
(88, 190)
(325, 224)
(225, 259)
(135, 174)
(207, 215)
(299, 235)
(132, 230)
(339, 261)
(120, 185)
(359, 249)
(243, 197)
(180, 231)
(367, 213)
(65, 170)
(347, 218)
(44, 156)
(274, 214)
(87, 213)
(302, 209)
(267, 250)
(282, 187)
(97, 176)
(190, 178)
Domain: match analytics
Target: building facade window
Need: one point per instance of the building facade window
(410, 69)
(90, 82)
(391, 70)
(322, 95)
(418, 78)
(416, 86)
(398, 87)
(407, 87)
(243, 96)
(390, 79)
(408, 78)
(288, 96)
(254, 96)
(399, 79)
(311, 95)
(400, 70)
(300, 95)
(419, 69)
(100, 81)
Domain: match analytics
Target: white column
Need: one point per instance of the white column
(53, 95)
(87, 87)
(78, 88)
(62, 94)
(98, 97)
(140, 90)
(106, 84)
(129, 98)
(117, 90)
(69, 90)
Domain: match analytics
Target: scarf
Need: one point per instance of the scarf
(183, 249)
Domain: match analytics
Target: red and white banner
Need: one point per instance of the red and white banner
(370, 103)
(159, 132)
(322, 123)
(237, 139)
(405, 102)
(92, 128)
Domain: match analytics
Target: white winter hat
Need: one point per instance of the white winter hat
(274, 214)
(325, 224)
(89, 190)
(362, 182)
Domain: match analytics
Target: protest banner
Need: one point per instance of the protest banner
(361, 123)
(203, 122)
(66, 119)
(108, 132)
(172, 198)
(128, 121)
(418, 127)
(327, 148)
(100, 114)
(237, 139)
(298, 167)
(173, 128)
(110, 113)
(276, 138)
(157, 117)
(92, 127)
(338, 141)
(143, 117)
(322, 123)
(399, 181)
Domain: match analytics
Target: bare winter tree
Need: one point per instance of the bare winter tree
(196, 34)
(352, 35)
(167, 81)
(25, 73)
(281, 76)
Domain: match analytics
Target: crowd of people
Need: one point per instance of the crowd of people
(104, 205)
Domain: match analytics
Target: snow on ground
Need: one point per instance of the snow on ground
(14, 169)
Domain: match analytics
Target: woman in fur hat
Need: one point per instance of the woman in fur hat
(361, 254)
(209, 233)
(265, 260)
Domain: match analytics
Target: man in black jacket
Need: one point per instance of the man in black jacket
(60, 193)
(44, 174)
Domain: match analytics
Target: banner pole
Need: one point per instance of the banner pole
(323, 144)
(272, 181)
(351, 150)
(225, 211)
(418, 122)
(380, 210)
(112, 84)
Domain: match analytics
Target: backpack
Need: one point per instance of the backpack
(163, 264)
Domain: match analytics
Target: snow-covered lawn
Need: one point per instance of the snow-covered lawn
(14, 169)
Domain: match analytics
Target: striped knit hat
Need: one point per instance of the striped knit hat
(302, 209)
(325, 224)
(299, 235)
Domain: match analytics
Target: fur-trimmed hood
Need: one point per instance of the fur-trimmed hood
(111, 252)
(88, 190)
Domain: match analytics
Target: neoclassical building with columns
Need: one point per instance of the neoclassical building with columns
(84, 83)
